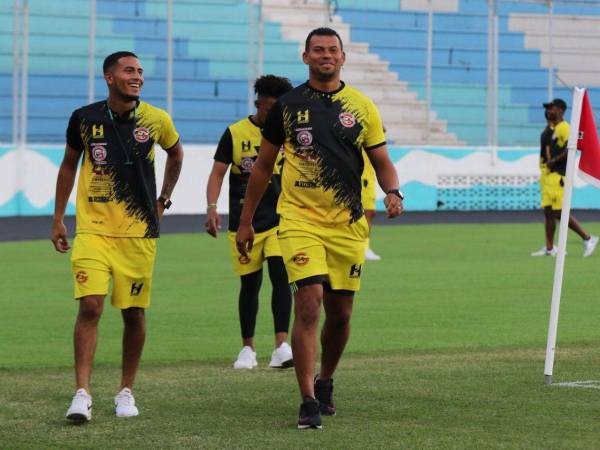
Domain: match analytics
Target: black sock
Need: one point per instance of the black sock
(281, 299)
(248, 302)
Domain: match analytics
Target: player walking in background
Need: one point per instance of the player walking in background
(238, 148)
(554, 152)
(118, 216)
(368, 202)
(324, 125)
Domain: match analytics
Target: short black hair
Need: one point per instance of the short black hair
(112, 59)
(271, 86)
(323, 31)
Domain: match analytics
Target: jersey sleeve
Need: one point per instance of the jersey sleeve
(375, 136)
(562, 134)
(274, 131)
(74, 139)
(168, 135)
(224, 152)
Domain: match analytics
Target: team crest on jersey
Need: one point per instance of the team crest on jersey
(141, 134)
(99, 152)
(81, 277)
(347, 119)
(304, 138)
(247, 164)
(243, 259)
(300, 259)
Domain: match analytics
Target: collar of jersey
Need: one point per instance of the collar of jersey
(128, 114)
(342, 86)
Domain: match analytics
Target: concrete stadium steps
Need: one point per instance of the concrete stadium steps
(575, 44)
(403, 114)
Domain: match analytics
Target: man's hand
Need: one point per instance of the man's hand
(393, 205)
(244, 239)
(213, 222)
(160, 209)
(59, 237)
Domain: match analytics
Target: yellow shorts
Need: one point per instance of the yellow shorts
(337, 252)
(552, 190)
(368, 193)
(265, 244)
(128, 261)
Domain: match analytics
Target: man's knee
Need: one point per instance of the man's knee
(307, 306)
(90, 308)
(134, 317)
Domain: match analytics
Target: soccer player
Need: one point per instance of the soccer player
(238, 148)
(118, 216)
(324, 125)
(549, 221)
(368, 202)
(555, 152)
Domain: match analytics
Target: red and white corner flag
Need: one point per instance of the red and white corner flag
(589, 144)
(583, 136)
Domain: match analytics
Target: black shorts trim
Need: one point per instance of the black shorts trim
(315, 279)
(327, 288)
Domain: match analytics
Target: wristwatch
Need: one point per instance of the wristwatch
(166, 202)
(397, 193)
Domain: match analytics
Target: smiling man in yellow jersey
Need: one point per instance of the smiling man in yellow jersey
(324, 126)
(118, 214)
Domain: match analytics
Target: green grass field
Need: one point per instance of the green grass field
(447, 351)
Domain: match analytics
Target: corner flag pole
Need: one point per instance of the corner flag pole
(562, 235)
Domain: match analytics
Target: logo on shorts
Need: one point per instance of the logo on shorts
(243, 259)
(141, 134)
(347, 119)
(136, 288)
(355, 270)
(300, 259)
(81, 277)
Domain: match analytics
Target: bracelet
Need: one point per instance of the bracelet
(211, 206)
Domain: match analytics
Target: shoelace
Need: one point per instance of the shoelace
(125, 399)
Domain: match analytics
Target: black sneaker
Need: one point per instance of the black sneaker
(309, 417)
(324, 393)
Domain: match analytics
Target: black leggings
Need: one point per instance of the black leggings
(281, 298)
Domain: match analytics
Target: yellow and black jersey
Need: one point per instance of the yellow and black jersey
(116, 193)
(545, 141)
(324, 135)
(560, 139)
(239, 147)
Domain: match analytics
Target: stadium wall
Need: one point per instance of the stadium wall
(433, 178)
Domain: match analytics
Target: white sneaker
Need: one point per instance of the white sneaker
(246, 359)
(125, 404)
(589, 246)
(370, 255)
(81, 407)
(282, 357)
(545, 252)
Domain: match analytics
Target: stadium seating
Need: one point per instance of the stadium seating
(459, 74)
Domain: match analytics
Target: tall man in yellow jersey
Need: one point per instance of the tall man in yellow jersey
(553, 181)
(118, 214)
(324, 126)
(238, 148)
